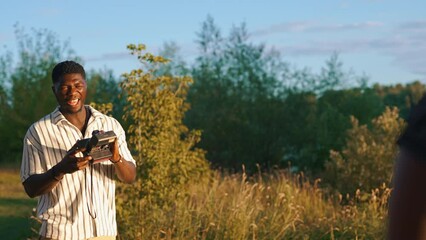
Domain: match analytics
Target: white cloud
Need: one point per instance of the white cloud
(185, 49)
(404, 42)
(109, 56)
(305, 26)
(413, 26)
(321, 47)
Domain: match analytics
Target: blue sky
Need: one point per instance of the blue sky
(386, 40)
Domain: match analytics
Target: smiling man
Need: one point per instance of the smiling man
(76, 197)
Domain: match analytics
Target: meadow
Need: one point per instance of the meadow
(273, 206)
(15, 206)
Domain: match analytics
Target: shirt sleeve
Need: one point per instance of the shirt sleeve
(124, 150)
(32, 157)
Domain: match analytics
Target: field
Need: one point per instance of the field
(277, 206)
(231, 207)
(15, 206)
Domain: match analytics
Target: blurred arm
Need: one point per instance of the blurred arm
(408, 200)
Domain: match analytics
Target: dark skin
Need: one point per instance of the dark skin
(407, 209)
(70, 93)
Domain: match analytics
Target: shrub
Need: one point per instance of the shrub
(366, 161)
(163, 146)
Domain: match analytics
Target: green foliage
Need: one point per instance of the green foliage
(104, 90)
(366, 161)
(400, 96)
(255, 110)
(331, 77)
(26, 85)
(164, 147)
(176, 66)
(332, 120)
(105, 108)
(234, 99)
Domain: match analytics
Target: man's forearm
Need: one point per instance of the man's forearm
(39, 184)
(408, 200)
(126, 171)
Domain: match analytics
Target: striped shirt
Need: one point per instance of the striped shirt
(82, 204)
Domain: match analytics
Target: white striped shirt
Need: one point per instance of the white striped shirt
(66, 210)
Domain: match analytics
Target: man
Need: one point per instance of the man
(77, 197)
(407, 210)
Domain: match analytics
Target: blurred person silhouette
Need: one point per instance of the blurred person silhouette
(407, 209)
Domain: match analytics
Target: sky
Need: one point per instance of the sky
(385, 40)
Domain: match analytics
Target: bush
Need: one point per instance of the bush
(163, 146)
(366, 161)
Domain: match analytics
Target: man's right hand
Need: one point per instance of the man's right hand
(38, 184)
(70, 163)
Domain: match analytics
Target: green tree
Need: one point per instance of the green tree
(176, 66)
(334, 110)
(25, 93)
(254, 109)
(315, 124)
(331, 77)
(300, 137)
(104, 88)
(164, 146)
(235, 99)
(400, 96)
(27, 85)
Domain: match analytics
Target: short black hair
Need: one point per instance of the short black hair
(66, 67)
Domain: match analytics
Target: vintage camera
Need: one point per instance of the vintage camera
(98, 145)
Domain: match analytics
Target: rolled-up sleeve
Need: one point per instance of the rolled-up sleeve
(124, 150)
(32, 157)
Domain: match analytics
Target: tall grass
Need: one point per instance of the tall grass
(275, 206)
(15, 205)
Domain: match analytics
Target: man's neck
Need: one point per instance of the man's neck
(77, 119)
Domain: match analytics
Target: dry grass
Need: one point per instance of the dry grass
(15, 206)
(278, 206)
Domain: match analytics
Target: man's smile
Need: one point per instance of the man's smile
(73, 102)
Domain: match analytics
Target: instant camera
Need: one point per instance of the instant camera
(98, 145)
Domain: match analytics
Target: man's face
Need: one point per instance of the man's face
(70, 92)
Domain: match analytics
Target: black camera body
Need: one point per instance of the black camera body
(98, 145)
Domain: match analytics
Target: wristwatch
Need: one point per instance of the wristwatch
(119, 160)
(55, 174)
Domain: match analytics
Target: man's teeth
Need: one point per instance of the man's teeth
(73, 102)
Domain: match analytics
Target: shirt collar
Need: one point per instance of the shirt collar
(58, 117)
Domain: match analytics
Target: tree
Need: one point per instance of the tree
(176, 66)
(27, 86)
(164, 146)
(300, 131)
(25, 93)
(103, 88)
(366, 161)
(234, 100)
(400, 96)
